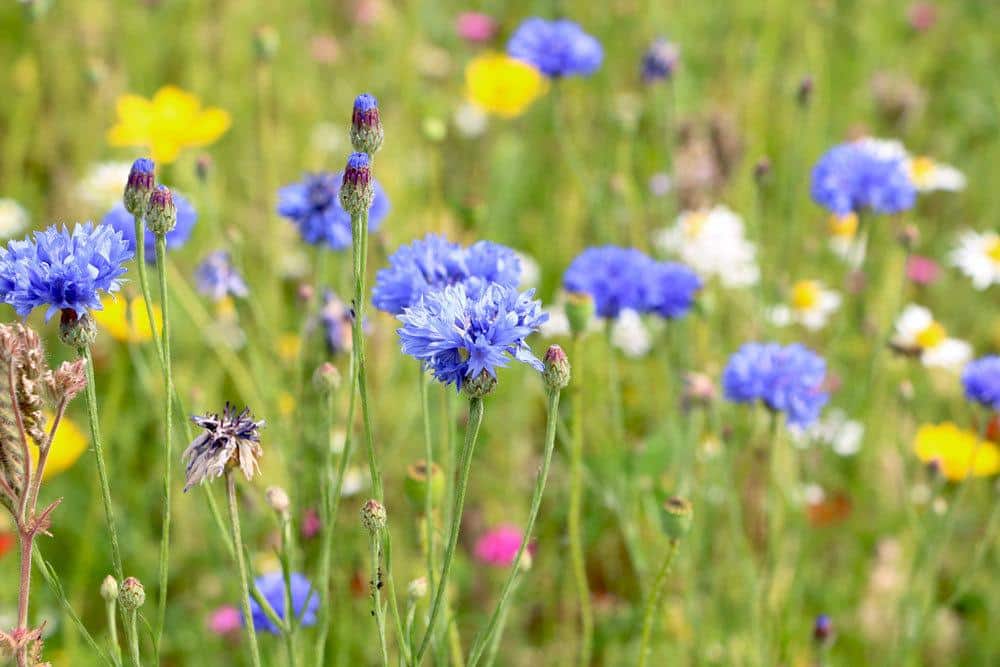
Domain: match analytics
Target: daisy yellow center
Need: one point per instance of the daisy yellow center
(843, 226)
(993, 251)
(694, 223)
(805, 295)
(921, 169)
(931, 336)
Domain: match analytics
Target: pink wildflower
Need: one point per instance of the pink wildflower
(499, 546)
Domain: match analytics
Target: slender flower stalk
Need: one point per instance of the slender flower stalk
(471, 436)
(168, 380)
(428, 467)
(653, 601)
(359, 225)
(234, 521)
(575, 506)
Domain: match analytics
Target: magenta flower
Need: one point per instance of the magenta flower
(922, 270)
(499, 546)
(475, 27)
(311, 523)
(225, 620)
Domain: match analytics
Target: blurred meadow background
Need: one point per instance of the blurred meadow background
(883, 556)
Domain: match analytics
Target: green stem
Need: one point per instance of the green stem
(428, 463)
(500, 612)
(109, 607)
(375, 547)
(168, 381)
(147, 293)
(234, 520)
(133, 643)
(653, 602)
(471, 435)
(575, 505)
(291, 622)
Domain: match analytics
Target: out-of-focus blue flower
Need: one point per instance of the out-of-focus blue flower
(337, 320)
(123, 221)
(860, 175)
(981, 379)
(617, 278)
(671, 289)
(557, 48)
(313, 204)
(216, 277)
(63, 270)
(786, 379)
(660, 60)
(305, 601)
(434, 262)
(459, 335)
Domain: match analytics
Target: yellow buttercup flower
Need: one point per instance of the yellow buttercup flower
(502, 85)
(166, 124)
(289, 345)
(126, 319)
(956, 452)
(69, 444)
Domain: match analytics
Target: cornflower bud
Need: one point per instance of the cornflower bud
(139, 187)
(132, 595)
(557, 369)
(161, 214)
(357, 191)
(373, 516)
(366, 125)
(675, 517)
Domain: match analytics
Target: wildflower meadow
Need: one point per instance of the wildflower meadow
(386, 332)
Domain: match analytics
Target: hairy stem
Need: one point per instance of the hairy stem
(234, 520)
(653, 602)
(168, 382)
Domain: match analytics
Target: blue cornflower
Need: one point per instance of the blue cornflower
(123, 221)
(616, 278)
(557, 48)
(660, 60)
(434, 262)
(216, 277)
(787, 379)
(337, 320)
(460, 335)
(863, 174)
(671, 289)
(313, 205)
(981, 379)
(63, 270)
(305, 601)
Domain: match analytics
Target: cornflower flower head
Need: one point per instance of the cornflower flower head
(367, 132)
(62, 269)
(230, 440)
(558, 48)
(119, 218)
(977, 255)
(786, 379)
(981, 380)
(313, 205)
(486, 262)
(498, 547)
(672, 288)
(460, 336)
(305, 601)
(958, 453)
(217, 278)
(501, 85)
(918, 334)
(337, 319)
(13, 218)
(616, 278)
(660, 61)
(864, 174)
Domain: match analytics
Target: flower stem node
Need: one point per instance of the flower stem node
(557, 369)
(77, 331)
(132, 594)
(109, 589)
(161, 215)
(357, 191)
(579, 311)
(480, 386)
(139, 187)
(675, 517)
(373, 516)
(326, 379)
(419, 482)
(366, 125)
(277, 499)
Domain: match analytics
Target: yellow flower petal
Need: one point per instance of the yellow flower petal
(164, 150)
(126, 321)
(69, 444)
(208, 126)
(956, 451)
(502, 85)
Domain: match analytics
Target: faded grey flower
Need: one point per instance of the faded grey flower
(229, 441)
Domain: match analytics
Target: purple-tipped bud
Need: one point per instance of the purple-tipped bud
(804, 93)
(132, 595)
(141, 181)
(823, 629)
(161, 214)
(373, 516)
(357, 191)
(366, 125)
(77, 331)
(660, 61)
(557, 369)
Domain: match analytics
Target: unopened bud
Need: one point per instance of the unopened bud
(326, 379)
(357, 191)
(908, 237)
(579, 311)
(265, 43)
(132, 594)
(139, 187)
(366, 124)
(77, 331)
(161, 214)
(803, 95)
(277, 499)
(557, 369)
(109, 589)
(823, 629)
(203, 167)
(373, 516)
(675, 517)
(419, 482)
(762, 171)
(417, 588)
(480, 386)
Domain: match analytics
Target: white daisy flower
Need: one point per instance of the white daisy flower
(354, 482)
(978, 257)
(102, 186)
(928, 175)
(810, 304)
(918, 334)
(713, 243)
(630, 335)
(844, 242)
(884, 149)
(13, 218)
(470, 120)
(835, 429)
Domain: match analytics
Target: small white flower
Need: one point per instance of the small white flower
(713, 243)
(102, 186)
(354, 483)
(13, 218)
(919, 334)
(470, 120)
(810, 304)
(928, 175)
(844, 242)
(884, 149)
(978, 257)
(630, 335)
(835, 429)
(530, 272)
